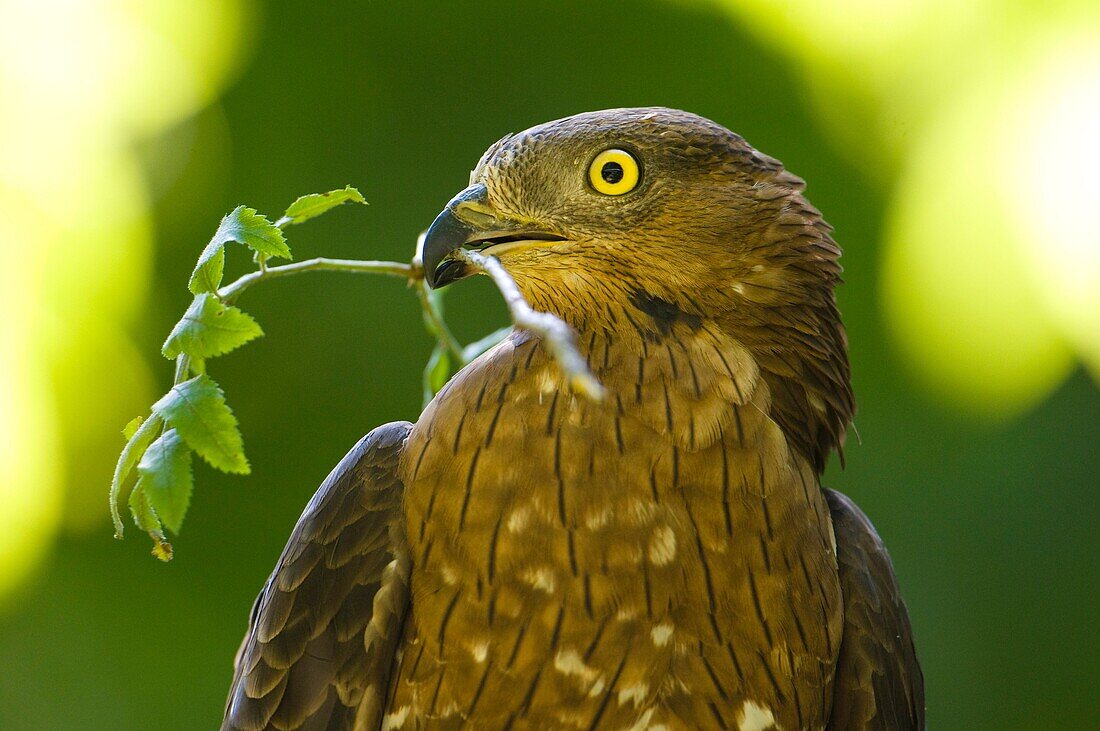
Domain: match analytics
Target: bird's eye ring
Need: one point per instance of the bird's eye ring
(614, 172)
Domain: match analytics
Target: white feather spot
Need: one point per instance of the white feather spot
(641, 512)
(634, 694)
(626, 614)
(569, 662)
(450, 576)
(597, 519)
(569, 718)
(546, 381)
(451, 709)
(479, 650)
(754, 717)
(519, 519)
(396, 719)
(542, 510)
(661, 634)
(541, 577)
(662, 546)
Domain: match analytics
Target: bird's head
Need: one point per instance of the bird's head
(620, 205)
(654, 217)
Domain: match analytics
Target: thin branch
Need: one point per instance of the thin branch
(442, 332)
(558, 336)
(183, 369)
(433, 317)
(230, 292)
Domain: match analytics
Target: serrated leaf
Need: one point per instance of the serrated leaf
(437, 372)
(478, 347)
(210, 328)
(309, 206)
(135, 447)
(245, 226)
(164, 475)
(207, 276)
(131, 427)
(146, 519)
(197, 409)
(143, 513)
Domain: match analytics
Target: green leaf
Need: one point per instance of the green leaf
(131, 427)
(146, 519)
(315, 204)
(164, 475)
(245, 226)
(437, 372)
(478, 347)
(142, 434)
(197, 409)
(143, 513)
(207, 276)
(210, 328)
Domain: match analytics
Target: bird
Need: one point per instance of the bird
(664, 557)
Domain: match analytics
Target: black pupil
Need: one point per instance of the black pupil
(612, 172)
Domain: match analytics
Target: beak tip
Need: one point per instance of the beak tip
(429, 276)
(446, 272)
(448, 233)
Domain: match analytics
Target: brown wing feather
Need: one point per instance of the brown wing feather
(879, 684)
(324, 629)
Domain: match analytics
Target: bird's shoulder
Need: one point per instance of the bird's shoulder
(879, 683)
(327, 621)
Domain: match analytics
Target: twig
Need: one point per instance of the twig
(442, 332)
(558, 336)
(230, 292)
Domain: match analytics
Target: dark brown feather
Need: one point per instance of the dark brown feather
(879, 684)
(324, 630)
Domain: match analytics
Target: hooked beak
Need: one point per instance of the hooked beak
(469, 222)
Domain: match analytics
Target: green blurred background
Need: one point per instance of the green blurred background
(953, 146)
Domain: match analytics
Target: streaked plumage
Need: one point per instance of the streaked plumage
(524, 558)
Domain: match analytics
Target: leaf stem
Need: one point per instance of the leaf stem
(443, 333)
(230, 292)
(558, 336)
(183, 369)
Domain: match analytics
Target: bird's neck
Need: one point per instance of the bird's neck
(663, 354)
(615, 310)
(681, 368)
(682, 376)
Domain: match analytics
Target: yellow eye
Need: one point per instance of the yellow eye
(613, 172)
